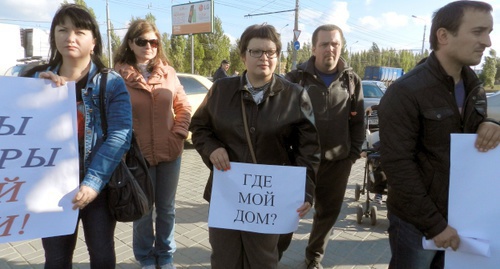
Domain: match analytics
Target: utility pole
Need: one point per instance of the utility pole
(110, 53)
(281, 52)
(192, 53)
(296, 28)
(423, 38)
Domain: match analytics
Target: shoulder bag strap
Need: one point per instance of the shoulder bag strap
(247, 133)
(102, 94)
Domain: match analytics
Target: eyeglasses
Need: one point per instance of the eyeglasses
(142, 42)
(258, 53)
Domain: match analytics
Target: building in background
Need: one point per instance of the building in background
(22, 45)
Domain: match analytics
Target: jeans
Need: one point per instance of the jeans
(158, 249)
(406, 247)
(98, 227)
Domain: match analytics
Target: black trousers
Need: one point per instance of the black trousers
(331, 183)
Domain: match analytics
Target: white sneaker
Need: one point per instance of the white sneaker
(378, 198)
(149, 267)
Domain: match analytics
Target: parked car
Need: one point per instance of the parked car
(380, 84)
(196, 87)
(26, 64)
(494, 106)
(372, 92)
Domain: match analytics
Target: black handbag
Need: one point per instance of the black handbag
(130, 188)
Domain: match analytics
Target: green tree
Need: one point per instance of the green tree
(237, 63)
(199, 56)
(497, 76)
(304, 53)
(489, 69)
(178, 46)
(167, 49)
(216, 47)
(407, 60)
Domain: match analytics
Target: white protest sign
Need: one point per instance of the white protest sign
(473, 201)
(257, 198)
(38, 159)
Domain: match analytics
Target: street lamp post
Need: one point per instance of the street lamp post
(425, 27)
(281, 52)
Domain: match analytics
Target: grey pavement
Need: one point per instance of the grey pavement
(351, 245)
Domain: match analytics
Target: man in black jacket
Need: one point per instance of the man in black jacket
(221, 71)
(337, 98)
(440, 96)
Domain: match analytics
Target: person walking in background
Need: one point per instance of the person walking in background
(286, 135)
(221, 72)
(337, 99)
(161, 117)
(75, 51)
(440, 96)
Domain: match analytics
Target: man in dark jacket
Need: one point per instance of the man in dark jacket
(221, 71)
(440, 96)
(337, 98)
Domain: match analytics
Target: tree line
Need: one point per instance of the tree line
(211, 48)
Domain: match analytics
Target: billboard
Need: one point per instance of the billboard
(192, 18)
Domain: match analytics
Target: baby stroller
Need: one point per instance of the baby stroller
(374, 180)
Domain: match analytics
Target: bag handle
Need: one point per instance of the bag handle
(245, 123)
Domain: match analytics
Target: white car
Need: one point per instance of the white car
(494, 106)
(196, 88)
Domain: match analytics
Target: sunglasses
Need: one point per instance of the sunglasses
(143, 42)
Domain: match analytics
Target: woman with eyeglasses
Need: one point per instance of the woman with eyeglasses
(161, 117)
(281, 130)
(75, 51)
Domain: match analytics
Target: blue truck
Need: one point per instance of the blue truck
(383, 73)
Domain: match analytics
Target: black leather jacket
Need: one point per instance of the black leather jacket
(281, 127)
(341, 133)
(417, 115)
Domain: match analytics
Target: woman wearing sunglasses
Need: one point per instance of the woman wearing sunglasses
(161, 117)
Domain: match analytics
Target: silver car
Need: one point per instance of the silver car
(494, 106)
(372, 94)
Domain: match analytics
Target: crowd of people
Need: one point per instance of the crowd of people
(313, 118)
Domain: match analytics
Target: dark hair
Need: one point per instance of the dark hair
(327, 28)
(135, 30)
(82, 19)
(264, 31)
(450, 18)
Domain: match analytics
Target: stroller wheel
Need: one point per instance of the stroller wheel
(373, 215)
(357, 192)
(359, 214)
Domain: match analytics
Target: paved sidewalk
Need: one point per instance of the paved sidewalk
(351, 245)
